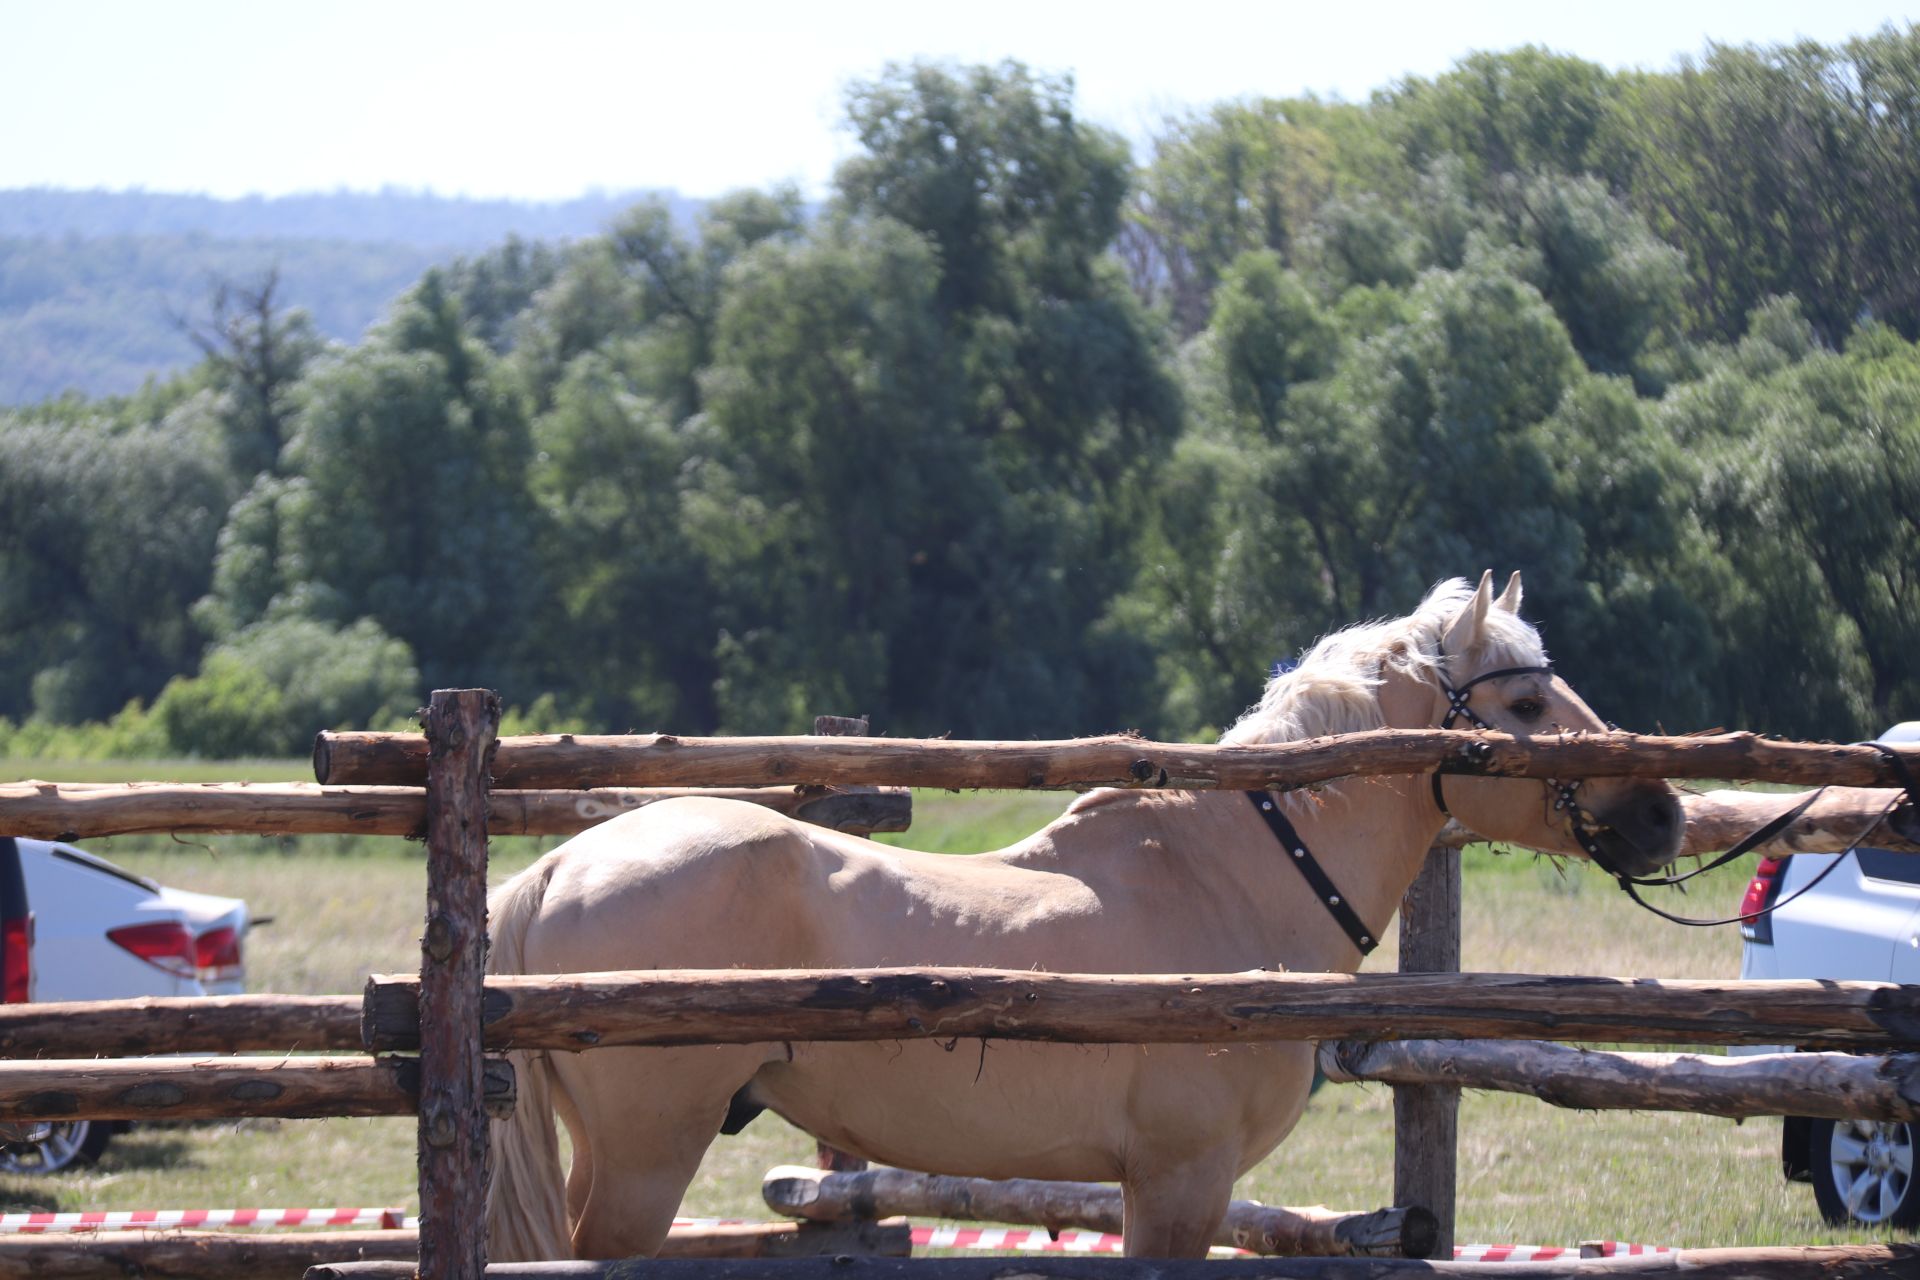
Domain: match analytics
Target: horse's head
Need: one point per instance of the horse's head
(1490, 672)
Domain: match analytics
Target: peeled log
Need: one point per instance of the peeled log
(1718, 820)
(179, 1024)
(77, 811)
(746, 1006)
(194, 1255)
(570, 760)
(1309, 1232)
(219, 1088)
(210, 1255)
(1835, 1085)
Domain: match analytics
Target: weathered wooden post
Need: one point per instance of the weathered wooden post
(462, 726)
(1426, 1118)
(826, 1156)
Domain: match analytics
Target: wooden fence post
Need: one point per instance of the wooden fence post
(462, 726)
(825, 1156)
(1426, 1118)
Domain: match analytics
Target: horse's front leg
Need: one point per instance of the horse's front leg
(1174, 1209)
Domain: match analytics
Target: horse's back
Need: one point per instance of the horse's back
(693, 882)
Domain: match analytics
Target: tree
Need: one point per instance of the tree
(631, 595)
(1811, 499)
(257, 351)
(106, 537)
(408, 500)
(1785, 170)
(1523, 111)
(1243, 176)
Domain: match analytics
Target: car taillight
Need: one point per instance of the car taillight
(165, 944)
(217, 952)
(16, 959)
(1756, 922)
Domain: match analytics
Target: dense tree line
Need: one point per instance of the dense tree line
(1014, 437)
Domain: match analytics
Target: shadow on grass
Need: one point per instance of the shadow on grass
(146, 1150)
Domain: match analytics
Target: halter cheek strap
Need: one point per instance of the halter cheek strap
(1565, 794)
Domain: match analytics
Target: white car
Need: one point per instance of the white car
(1862, 921)
(74, 926)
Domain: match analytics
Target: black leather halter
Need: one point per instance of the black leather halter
(1566, 798)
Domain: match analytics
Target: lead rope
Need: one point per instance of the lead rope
(1909, 792)
(1567, 801)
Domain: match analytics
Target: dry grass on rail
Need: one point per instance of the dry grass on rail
(1530, 1173)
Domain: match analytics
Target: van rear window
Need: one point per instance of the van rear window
(1885, 864)
(80, 857)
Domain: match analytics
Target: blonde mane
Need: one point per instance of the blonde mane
(1334, 689)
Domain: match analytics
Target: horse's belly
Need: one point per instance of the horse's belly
(1006, 1109)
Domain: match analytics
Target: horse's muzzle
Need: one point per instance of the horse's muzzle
(1643, 830)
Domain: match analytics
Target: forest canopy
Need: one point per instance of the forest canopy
(1020, 434)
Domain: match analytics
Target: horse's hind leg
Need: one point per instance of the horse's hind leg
(649, 1116)
(1173, 1211)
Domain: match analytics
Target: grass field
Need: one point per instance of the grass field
(1529, 1173)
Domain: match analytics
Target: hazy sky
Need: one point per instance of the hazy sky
(551, 98)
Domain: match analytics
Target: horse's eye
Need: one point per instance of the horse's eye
(1529, 708)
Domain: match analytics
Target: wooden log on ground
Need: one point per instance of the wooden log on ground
(1315, 1231)
(892, 1238)
(461, 729)
(1813, 1262)
(744, 1006)
(179, 1024)
(1836, 1085)
(1719, 820)
(195, 1255)
(569, 760)
(77, 811)
(213, 1255)
(1426, 1117)
(219, 1088)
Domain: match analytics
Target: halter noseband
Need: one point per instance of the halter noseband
(1566, 794)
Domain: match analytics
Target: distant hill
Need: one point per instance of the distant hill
(92, 283)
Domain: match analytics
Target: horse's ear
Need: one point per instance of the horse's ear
(1510, 598)
(1463, 633)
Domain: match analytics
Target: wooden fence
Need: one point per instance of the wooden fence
(450, 1012)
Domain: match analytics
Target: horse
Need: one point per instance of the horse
(1123, 881)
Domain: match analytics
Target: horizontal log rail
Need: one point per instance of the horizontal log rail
(570, 760)
(76, 811)
(1719, 820)
(1315, 1231)
(1813, 1262)
(1835, 1085)
(195, 1255)
(212, 1255)
(741, 1006)
(179, 1024)
(217, 1088)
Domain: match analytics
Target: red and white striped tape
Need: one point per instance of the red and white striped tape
(1546, 1253)
(1615, 1249)
(1016, 1239)
(1510, 1252)
(153, 1219)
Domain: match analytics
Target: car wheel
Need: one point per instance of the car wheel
(51, 1148)
(1863, 1172)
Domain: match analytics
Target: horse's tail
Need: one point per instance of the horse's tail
(526, 1197)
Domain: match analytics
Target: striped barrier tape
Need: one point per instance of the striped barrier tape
(1017, 1239)
(152, 1219)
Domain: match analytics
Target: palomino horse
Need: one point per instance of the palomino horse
(1122, 882)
